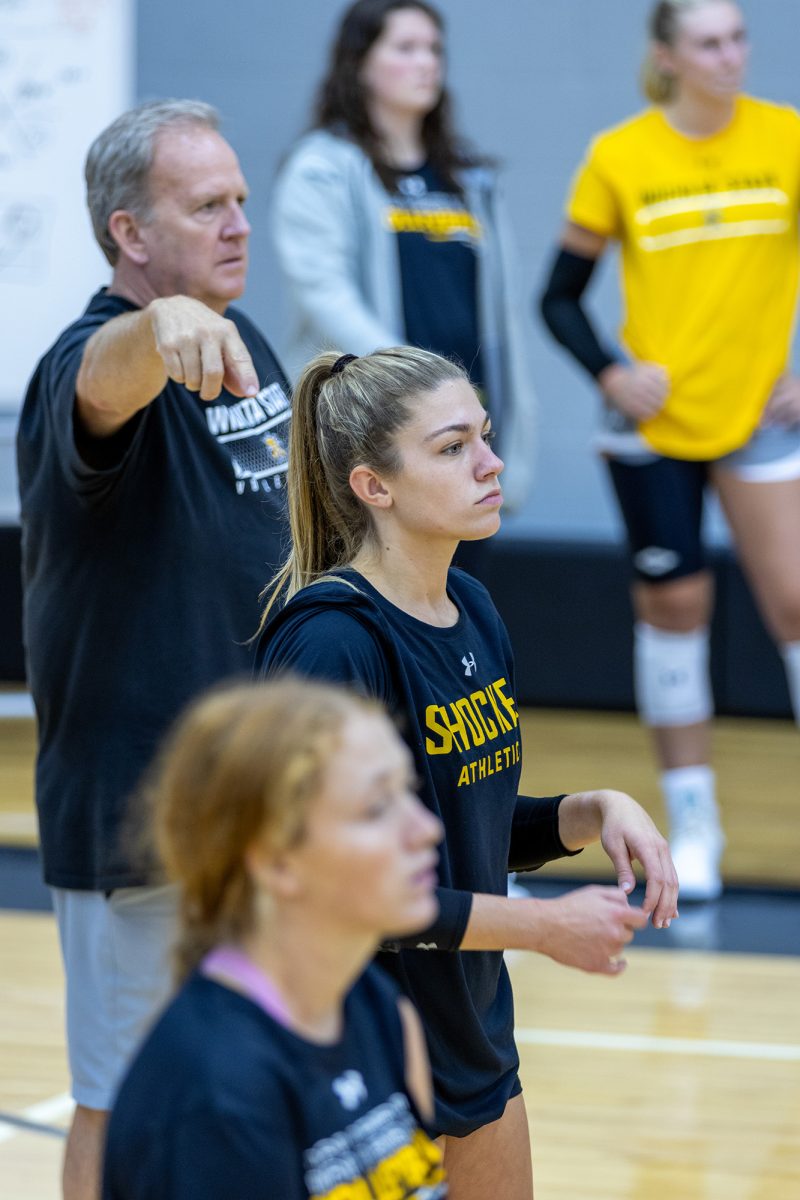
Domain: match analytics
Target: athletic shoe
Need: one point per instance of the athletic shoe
(696, 842)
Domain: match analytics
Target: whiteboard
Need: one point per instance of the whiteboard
(66, 71)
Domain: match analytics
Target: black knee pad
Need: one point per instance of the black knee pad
(661, 501)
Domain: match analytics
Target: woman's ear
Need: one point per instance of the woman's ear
(662, 58)
(124, 229)
(369, 487)
(272, 871)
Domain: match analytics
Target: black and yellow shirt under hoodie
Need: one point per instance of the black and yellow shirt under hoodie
(452, 692)
(437, 239)
(224, 1103)
(709, 239)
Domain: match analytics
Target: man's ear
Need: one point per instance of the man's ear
(124, 229)
(369, 487)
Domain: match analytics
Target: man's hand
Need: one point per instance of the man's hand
(783, 406)
(128, 361)
(637, 391)
(200, 349)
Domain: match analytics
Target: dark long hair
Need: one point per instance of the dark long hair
(341, 102)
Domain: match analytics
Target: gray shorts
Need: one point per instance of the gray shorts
(772, 454)
(116, 950)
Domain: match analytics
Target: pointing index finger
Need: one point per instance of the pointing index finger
(240, 374)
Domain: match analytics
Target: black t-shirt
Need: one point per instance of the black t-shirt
(452, 691)
(143, 557)
(224, 1103)
(436, 239)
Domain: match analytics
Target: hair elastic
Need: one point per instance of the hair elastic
(342, 362)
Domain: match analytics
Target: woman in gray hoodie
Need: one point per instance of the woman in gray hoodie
(389, 230)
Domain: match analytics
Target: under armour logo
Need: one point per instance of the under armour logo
(469, 663)
(426, 946)
(412, 185)
(350, 1088)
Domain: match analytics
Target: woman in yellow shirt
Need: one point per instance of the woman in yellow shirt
(702, 192)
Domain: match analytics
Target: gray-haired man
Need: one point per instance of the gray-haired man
(152, 453)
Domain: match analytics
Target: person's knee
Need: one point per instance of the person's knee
(87, 1131)
(679, 605)
(90, 1118)
(782, 614)
(671, 677)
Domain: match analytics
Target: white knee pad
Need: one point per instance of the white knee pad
(791, 661)
(671, 679)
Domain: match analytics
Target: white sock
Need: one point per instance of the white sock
(690, 796)
(791, 661)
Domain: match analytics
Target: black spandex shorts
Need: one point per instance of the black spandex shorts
(662, 506)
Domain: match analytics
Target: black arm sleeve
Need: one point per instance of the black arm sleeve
(534, 833)
(446, 931)
(564, 315)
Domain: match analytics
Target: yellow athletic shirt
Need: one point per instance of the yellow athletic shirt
(708, 230)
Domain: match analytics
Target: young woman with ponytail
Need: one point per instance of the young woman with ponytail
(390, 466)
(702, 191)
(282, 1068)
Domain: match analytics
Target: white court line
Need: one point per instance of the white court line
(772, 1051)
(53, 1109)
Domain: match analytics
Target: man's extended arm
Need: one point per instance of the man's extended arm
(128, 361)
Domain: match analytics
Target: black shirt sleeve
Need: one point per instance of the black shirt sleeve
(332, 645)
(534, 833)
(447, 931)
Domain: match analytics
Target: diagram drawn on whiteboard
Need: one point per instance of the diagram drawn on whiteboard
(66, 71)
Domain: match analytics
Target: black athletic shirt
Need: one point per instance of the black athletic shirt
(224, 1103)
(436, 237)
(143, 558)
(452, 691)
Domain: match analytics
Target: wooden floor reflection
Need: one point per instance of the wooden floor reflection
(681, 1079)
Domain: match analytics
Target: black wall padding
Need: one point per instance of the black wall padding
(568, 613)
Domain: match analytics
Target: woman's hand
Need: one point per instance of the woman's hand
(783, 406)
(588, 928)
(627, 834)
(637, 391)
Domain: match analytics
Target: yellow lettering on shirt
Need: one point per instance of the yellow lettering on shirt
(490, 764)
(461, 724)
(436, 224)
(400, 1176)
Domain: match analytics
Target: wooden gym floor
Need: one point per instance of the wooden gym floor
(680, 1079)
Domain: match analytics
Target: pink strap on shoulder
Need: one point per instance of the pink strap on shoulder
(233, 964)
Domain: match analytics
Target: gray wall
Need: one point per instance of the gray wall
(532, 82)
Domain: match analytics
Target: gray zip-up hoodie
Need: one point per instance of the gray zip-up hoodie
(341, 266)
